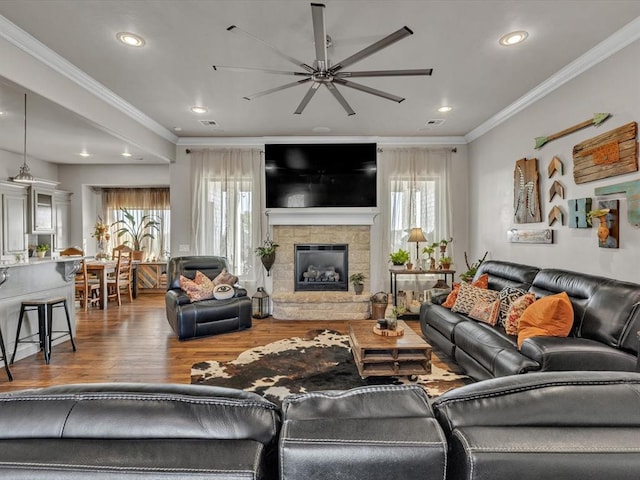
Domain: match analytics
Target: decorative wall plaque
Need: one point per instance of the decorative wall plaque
(578, 209)
(607, 155)
(530, 236)
(525, 191)
(632, 192)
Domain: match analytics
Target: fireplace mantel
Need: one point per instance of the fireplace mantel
(322, 216)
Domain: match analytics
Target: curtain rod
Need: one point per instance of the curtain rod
(453, 150)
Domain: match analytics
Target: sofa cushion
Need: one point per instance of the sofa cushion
(516, 309)
(486, 312)
(200, 288)
(507, 274)
(469, 295)
(507, 296)
(550, 316)
(224, 277)
(481, 282)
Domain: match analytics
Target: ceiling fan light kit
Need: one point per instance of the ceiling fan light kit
(322, 73)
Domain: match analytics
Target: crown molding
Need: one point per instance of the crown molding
(30, 45)
(613, 44)
(260, 141)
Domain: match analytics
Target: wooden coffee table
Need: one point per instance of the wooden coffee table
(380, 356)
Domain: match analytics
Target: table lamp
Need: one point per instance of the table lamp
(417, 235)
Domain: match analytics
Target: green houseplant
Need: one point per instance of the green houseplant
(42, 249)
(399, 258)
(473, 268)
(445, 262)
(357, 280)
(267, 253)
(137, 232)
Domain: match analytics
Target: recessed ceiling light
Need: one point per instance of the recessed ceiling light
(177, 129)
(321, 129)
(125, 154)
(445, 109)
(513, 38)
(1, 113)
(199, 109)
(84, 154)
(130, 39)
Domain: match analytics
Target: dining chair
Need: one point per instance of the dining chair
(87, 289)
(122, 278)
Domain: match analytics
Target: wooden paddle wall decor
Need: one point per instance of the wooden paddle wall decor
(607, 155)
(526, 196)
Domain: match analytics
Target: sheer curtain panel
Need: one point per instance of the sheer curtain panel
(226, 207)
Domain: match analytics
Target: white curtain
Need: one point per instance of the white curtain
(414, 192)
(226, 207)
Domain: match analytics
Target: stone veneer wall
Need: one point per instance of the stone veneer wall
(290, 305)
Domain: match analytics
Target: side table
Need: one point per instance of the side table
(394, 281)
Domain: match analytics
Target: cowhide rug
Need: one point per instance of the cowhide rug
(321, 360)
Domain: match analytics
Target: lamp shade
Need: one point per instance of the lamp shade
(416, 235)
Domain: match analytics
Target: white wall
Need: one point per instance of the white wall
(10, 164)
(612, 87)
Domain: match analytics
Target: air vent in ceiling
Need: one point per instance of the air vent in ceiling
(434, 122)
(209, 123)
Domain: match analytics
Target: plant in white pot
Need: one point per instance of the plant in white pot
(399, 258)
(41, 250)
(357, 280)
(136, 231)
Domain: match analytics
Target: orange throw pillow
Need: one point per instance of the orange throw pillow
(481, 282)
(550, 316)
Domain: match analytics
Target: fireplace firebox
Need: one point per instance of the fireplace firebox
(321, 267)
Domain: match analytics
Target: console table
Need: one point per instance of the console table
(394, 281)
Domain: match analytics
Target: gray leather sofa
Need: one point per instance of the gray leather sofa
(603, 337)
(206, 317)
(560, 425)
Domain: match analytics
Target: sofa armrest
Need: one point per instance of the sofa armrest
(177, 296)
(574, 353)
(240, 291)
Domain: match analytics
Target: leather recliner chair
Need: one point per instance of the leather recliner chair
(205, 317)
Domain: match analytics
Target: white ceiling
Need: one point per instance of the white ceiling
(184, 38)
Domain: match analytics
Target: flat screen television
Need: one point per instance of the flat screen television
(320, 175)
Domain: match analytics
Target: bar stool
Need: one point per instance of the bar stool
(4, 357)
(45, 325)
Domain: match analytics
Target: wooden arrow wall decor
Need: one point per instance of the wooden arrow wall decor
(555, 214)
(556, 189)
(555, 165)
(597, 119)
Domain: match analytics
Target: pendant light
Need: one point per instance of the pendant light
(25, 173)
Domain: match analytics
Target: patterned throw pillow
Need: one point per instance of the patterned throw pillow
(481, 282)
(486, 312)
(200, 288)
(516, 310)
(507, 296)
(468, 296)
(226, 278)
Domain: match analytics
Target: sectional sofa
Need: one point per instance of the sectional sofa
(560, 425)
(604, 335)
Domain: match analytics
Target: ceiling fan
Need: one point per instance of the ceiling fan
(323, 73)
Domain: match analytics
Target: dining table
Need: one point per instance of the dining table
(102, 269)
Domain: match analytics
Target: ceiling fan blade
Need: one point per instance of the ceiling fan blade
(263, 70)
(319, 36)
(372, 91)
(277, 89)
(307, 98)
(371, 49)
(332, 88)
(236, 29)
(386, 73)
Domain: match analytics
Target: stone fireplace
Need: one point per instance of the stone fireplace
(321, 304)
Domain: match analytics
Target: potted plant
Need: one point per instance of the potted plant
(357, 280)
(399, 258)
(429, 249)
(267, 253)
(42, 249)
(445, 263)
(444, 243)
(471, 269)
(136, 231)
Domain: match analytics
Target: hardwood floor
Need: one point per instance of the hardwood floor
(134, 343)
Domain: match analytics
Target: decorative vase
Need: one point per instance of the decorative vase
(358, 288)
(268, 261)
(101, 254)
(603, 230)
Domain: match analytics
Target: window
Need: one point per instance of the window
(413, 204)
